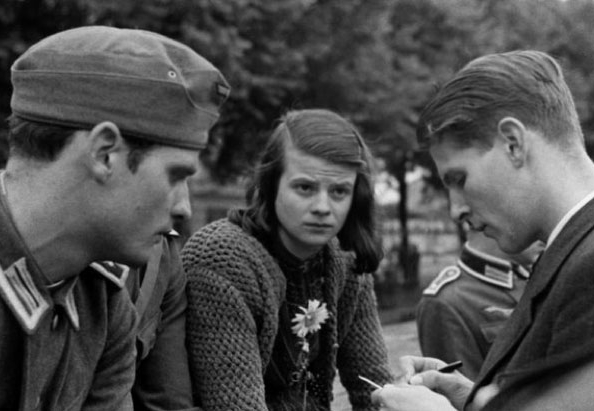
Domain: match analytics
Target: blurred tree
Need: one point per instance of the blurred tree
(250, 42)
(23, 22)
(374, 61)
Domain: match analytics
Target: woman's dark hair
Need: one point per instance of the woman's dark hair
(326, 135)
(44, 142)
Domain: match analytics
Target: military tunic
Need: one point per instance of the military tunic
(67, 346)
(466, 306)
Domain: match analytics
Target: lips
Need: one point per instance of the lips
(319, 225)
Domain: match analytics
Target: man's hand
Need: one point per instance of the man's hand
(410, 365)
(405, 397)
(422, 371)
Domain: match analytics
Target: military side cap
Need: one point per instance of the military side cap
(150, 86)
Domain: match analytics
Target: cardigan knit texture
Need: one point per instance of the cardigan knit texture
(235, 291)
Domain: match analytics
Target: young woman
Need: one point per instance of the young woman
(281, 293)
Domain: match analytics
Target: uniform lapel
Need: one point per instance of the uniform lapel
(544, 273)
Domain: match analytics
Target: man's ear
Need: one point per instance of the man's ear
(513, 135)
(106, 147)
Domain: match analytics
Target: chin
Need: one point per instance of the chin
(318, 242)
(510, 248)
(136, 259)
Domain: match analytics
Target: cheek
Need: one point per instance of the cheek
(290, 209)
(283, 208)
(496, 201)
(153, 199)
(480, 197)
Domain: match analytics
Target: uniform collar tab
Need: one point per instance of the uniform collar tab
(22, 296)
(114, 272)
(489, 268)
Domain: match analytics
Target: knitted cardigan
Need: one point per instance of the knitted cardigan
(235, 290)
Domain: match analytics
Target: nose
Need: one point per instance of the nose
(459, 210)
(182, 207)
(321, 204)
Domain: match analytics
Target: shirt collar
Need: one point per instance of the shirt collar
(567, 217)
(63, 296)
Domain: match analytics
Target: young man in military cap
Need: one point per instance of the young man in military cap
(506, 139)
(106, 127)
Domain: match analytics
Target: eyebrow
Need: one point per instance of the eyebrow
(300, 179)
(311, 180)
(344, 184)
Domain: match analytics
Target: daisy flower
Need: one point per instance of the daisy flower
(311, 320)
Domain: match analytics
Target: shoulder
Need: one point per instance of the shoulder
(446, 276)
(226, 250)
(222, 242)
(220, 236)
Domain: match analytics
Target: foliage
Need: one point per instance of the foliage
(374, 61)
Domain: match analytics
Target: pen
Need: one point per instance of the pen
(453, 366)
(368, 381)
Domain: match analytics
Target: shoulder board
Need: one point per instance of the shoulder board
(446, 276)
(114, 272)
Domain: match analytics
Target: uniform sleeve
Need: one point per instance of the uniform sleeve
(114, 374)
(163, 377)
(444, 334)
(225, 362)
(363, 350)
